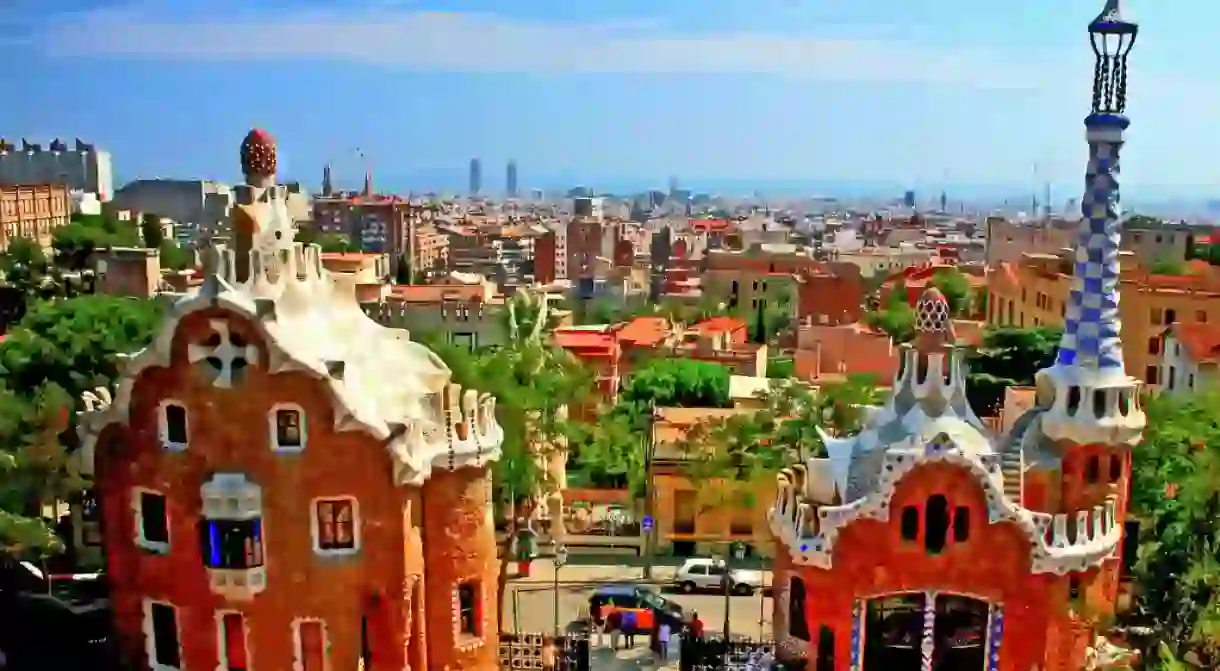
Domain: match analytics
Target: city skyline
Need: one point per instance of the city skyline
(942, 96)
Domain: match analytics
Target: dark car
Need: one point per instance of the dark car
(58, 621)
(652, 606)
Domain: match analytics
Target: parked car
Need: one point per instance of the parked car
(709, 574)
(58, 621)
(649, 606)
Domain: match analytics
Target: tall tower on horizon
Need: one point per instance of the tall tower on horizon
(1090, 397)
(328, 187)
(510, 179)
(476, 176)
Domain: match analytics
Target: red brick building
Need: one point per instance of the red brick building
(926, 542)
(285, 484)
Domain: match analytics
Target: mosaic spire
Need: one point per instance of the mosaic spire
(1091, 342)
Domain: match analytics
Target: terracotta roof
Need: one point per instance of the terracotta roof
(719, 325)
(435, 293)
(644, 331)
(580, 339)
(348, 256)
(1202, 341)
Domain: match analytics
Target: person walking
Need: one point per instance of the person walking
(663, 633)
(614, 626)
(597, 627)
(630, 623)
(674, 645)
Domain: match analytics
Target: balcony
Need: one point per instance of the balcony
(238, 584)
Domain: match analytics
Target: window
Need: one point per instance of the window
(910, 523)
(1093, 470)
(311, 646)
(1154, 345)
(233, 655)
(1116, 468)
(232, 544)
(468, 610)
(1201, 316)
(173, 429)
(1158, 316)
(798, 626)
(1171, 377)
(1171, 316)
(336, 526)
(961, 524)
(163, 644)
(152, 520)
(1150, 374)
(936, 524)
(826, 649)
(288, 428)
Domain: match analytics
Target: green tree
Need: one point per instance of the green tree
(1007, 357)
(534, 385)
(1166, 265)
(897, 321)
(151, 232)
(175, 257)
(956, 288)
(1176, 494)
(57, 351)
(678, 382)
(335, 243)
(306, 235)
(75, 243)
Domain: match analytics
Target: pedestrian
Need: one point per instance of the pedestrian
(630, 623)
(696, 626)
(674, 645)
(663, 633)
(614, 626)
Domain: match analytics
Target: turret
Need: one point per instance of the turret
(1089, 396)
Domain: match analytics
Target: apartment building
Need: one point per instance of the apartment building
(874, 261)
(1150, 240)
(463, 314)
(373, 222)
(82, 168)
(33, 212)
(1190, 357)
(1034, 293)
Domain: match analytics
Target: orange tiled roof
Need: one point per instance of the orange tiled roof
(644, 331)
(1202, 341)
(348, 256)
(583, 339)
(719, 325)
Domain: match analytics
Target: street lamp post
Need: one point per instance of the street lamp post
(736, 550)
(560, 558)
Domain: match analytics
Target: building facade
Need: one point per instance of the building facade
(82, 168)
(926, 542)
(285, 484)
(33, 212)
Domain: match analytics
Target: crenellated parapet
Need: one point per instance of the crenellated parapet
(1059, 543)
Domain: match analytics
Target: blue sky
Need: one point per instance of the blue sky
(599, 92)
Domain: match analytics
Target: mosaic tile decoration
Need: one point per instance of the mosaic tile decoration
(1091, 328)
(995, 636)
(857, 633)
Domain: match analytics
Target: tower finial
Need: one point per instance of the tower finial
(933, 325)
(1112, 38)
(258, 159)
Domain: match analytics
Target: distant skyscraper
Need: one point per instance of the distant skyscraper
(328, 187)
(673, 185)
(944, 202)
(476, 176)
(511, 179)
(908, 199)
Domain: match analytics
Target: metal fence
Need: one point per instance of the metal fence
(744, 654)
(539, 651)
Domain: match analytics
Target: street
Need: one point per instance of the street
(529, 603)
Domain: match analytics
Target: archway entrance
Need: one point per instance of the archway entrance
(928, 632)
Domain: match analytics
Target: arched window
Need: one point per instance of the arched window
(910, 523)
(798, 626)
(826, 649)
(1093, 470)
(936, 524)
(1116, 467)
(961, 524)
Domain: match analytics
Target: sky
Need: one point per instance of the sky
(917, 94)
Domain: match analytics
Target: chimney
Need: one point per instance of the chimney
(258, 164)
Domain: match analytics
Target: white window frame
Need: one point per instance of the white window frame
(298, 646)
(273, 427)
(357, 522)
(163, 425)
(137, 507)
(222, 643)
(150, 635)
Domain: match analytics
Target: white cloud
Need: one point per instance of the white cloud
(456, 42)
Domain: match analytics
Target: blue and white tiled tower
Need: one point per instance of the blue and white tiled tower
(1091, 398)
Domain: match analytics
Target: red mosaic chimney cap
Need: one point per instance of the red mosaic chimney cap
(258, 153)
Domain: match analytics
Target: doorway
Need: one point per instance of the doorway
(899, 628)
